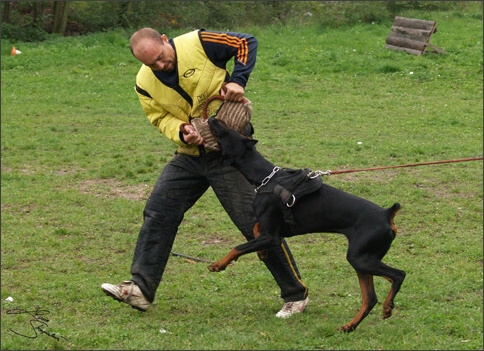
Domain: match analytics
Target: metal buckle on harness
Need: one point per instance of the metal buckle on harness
(268, 178)
(315, 174)
(292, 203)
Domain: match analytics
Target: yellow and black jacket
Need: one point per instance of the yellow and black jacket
(170, 99)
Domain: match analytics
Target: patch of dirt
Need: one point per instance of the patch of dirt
(112, 188)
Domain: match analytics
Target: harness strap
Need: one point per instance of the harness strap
(289, 187)
(288, 199)
(281, 192)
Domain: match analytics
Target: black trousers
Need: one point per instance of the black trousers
(182, 182)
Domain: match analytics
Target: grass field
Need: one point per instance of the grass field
(79, 159)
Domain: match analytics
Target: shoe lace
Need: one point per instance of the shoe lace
(129, 287)
(288, 306)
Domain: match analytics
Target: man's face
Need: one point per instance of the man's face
(157, 56)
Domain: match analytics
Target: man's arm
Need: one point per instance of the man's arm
(180, 132)
(221, 47)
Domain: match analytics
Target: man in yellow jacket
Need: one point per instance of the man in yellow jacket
(177, 77)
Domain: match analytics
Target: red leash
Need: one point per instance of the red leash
(400, 166)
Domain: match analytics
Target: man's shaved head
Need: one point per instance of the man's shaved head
(153, 49)
(143, 37)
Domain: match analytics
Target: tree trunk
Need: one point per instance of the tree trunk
(123, 15)
(38, 14)
(61, 14)
(6, 12)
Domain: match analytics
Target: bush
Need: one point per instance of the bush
(25, 33)
(167, 16)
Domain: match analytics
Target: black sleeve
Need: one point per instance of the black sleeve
(221, 47)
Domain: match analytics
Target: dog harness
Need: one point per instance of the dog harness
(289, 186)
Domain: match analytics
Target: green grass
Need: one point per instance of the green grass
(79, 158)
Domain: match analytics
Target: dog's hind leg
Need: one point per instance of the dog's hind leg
(369, 300)
(396, 279)
(375, 267)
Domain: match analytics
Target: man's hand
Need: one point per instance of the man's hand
(190, 135)
(233, 92)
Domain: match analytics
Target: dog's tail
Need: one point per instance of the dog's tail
(392, 211)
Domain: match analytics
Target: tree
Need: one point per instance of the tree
(61, 13)
(6, 12)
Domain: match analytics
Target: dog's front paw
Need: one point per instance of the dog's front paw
(347, 328)
(216, 267)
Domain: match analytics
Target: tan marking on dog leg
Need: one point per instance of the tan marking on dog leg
(220, 265)
(388, 304)
(256, 231)
(368, 301)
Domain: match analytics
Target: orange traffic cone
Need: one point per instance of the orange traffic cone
(14, 51)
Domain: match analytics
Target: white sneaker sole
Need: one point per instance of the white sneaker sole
(108, 290)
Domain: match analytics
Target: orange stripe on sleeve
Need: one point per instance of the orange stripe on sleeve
(240, 44)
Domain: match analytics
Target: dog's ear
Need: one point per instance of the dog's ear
(250, 143)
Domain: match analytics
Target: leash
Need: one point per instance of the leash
(191, 257)
(318, 173)
(315, 174)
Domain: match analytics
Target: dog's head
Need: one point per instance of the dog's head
(232, 144)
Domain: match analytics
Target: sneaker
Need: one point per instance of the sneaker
(292, 307)
(127, 292)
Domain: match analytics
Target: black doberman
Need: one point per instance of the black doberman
(368, 227)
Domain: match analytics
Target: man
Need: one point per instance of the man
(177, 76)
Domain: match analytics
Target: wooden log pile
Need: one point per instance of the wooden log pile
(412, 35)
